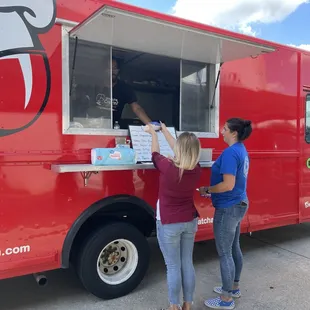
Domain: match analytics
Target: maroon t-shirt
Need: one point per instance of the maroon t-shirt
(176, 197)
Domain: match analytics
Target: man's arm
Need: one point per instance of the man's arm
(131, 98)
(138, 110)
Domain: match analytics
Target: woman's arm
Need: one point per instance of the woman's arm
(228, 184)
(228, 168)
(152, 132)
(168, 136)
(155, 144)
(160, 162)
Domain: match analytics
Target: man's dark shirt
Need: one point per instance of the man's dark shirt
(101, 106)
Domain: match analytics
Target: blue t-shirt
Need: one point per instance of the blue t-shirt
(234, 160)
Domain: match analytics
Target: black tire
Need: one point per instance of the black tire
(86, 264)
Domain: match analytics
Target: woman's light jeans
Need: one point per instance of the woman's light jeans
(176, 242)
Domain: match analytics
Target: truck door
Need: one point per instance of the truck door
(304, 201)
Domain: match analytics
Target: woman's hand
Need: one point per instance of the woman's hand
(163, 126)
(149, 129)
(203, 192)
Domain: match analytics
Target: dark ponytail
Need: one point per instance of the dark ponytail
(241, 126)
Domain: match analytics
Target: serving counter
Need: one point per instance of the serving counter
(87, 170)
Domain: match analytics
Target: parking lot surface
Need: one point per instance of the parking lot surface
(276, 275)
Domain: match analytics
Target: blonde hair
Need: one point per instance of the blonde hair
(186, 152)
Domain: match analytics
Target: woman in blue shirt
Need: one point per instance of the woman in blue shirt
(229, 197)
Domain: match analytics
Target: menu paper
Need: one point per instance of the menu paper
(142, 143)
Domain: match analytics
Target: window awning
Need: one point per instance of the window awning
(130, 28)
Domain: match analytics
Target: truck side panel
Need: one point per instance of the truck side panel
(39, 206)
(305, 138)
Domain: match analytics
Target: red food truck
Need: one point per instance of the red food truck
(57, 208)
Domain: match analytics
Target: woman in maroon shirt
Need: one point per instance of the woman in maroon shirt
(176, 215)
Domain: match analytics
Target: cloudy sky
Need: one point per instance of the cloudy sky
(283, 21)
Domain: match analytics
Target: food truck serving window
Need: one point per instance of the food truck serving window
(171, 71)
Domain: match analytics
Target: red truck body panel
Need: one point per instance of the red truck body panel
(39, 207)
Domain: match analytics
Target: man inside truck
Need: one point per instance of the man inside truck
(122, 94)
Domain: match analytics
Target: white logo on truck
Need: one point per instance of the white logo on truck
(22, 19)
(15, 250)
(307, 204)
(204, 221)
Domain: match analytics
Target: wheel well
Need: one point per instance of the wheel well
(115, 212)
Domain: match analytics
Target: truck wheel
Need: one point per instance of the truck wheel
(113, 260)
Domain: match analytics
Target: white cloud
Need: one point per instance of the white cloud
(301, 46)
(238, 15)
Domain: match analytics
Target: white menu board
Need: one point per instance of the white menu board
(142, 143)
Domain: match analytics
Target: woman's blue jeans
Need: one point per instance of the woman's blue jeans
(226, 227)
(176, 242)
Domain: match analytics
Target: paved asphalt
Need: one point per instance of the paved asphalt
(276, 276)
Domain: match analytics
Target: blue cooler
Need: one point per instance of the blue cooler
(113, 156)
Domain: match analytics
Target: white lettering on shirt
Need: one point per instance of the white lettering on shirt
(104, 102)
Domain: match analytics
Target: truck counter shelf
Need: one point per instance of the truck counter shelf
(87, 170)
